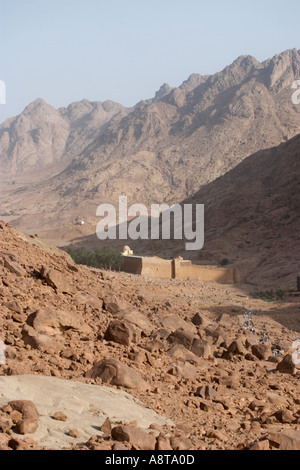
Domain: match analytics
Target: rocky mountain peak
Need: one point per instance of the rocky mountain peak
(38, 106)
(164, 90)
(284, 68)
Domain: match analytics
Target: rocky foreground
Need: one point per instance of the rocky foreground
(200, 366)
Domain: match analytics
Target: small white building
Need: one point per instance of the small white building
(127, 251)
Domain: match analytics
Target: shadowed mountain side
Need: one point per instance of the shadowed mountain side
(287, 316)
(252, 218)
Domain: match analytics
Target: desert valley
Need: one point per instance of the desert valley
(102, 359)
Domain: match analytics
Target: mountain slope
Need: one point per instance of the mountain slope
(163, 149)
(252, 218)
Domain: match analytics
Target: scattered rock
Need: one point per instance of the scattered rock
(136, 318)
(74, 433)
(18, 444)
(183, 369)
(200, 320)
(46, 343)
(174, 322)
(4, 438)
(14, 306)
(106, 426)
(284, 416)
(26, 426)
(119, 446)
(177, 351)
(216, 434)
(207, 392)
(59, 416)
(202, 348)
(163, 443)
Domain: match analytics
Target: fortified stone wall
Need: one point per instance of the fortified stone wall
(189, 271)
(178, 269)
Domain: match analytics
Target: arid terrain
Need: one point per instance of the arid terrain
(58, 165)
(106, 360)
(210, 366)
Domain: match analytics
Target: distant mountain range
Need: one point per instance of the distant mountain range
(59, 165)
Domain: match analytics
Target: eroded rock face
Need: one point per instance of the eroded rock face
(114, 372)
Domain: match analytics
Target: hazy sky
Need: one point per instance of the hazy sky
(124, 50)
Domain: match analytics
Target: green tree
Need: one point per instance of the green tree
(105, 257)
(108, 257)
(83, 256)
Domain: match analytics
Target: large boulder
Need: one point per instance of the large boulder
(287, 366)
(174, 322)
(202, 348)
(184, 337)
(114, 372)
(261, 351)
(120, 332)
(26, 407)
(14, 267)
(26, 426)
(285, 440)
(136, 318)
(45, 343)
(183, 369)
(45, 327)
(57, 280)
(47, 320)
(138, 438)
(113, 304)
(237, 348)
